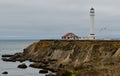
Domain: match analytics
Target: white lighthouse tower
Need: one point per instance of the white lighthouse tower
(92, 14)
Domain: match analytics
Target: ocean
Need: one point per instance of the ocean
(11, 47)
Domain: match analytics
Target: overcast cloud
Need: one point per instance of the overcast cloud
(38, 19)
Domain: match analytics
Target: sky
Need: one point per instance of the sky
(51, 19)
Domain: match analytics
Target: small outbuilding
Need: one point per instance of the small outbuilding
(70, 36)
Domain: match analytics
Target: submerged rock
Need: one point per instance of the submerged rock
(7, 55)
(8, 59)
(22, 66)
(13, 58)
(43, 71)
(5, 72)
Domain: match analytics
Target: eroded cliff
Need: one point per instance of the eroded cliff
(77, 51)
(81, 57)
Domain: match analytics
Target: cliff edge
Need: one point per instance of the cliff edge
(79, 57)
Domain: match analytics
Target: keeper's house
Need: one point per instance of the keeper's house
(70, 36)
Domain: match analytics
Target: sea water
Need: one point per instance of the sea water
(11, 47)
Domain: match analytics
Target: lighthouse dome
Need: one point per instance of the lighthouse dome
(92, 10)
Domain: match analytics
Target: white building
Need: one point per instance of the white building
(92, 14)
(70, 36)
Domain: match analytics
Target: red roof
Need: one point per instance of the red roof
(70, 34)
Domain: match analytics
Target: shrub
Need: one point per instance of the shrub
(66, 73)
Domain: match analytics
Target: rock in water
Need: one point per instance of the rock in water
(5, 72)
(7, 55)
(43, 71)
(22, 66)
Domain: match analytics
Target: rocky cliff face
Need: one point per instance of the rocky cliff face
(70, 51)
(83, 57)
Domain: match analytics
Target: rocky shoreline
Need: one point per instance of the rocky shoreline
(72, 57)
(42, 64)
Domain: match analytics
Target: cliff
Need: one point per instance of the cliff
(76, 51)
(80, 57)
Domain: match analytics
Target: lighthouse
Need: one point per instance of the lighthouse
(92, 14)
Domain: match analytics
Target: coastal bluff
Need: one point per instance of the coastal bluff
(73, 51)
(78, 57)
